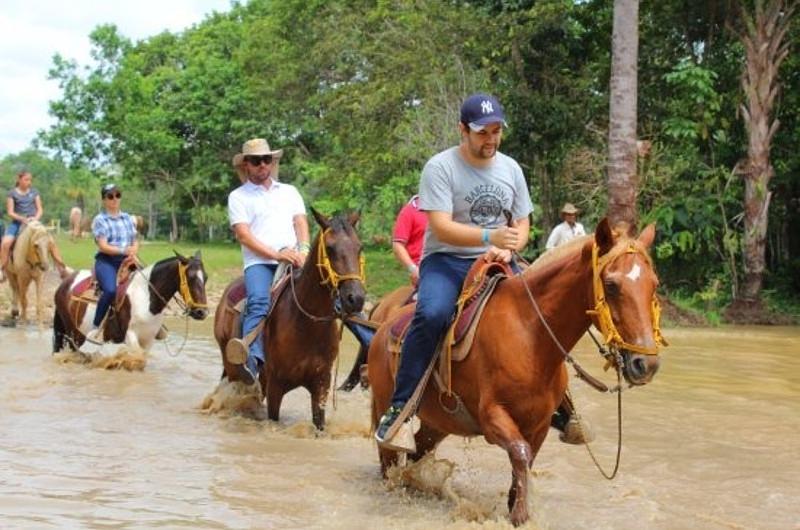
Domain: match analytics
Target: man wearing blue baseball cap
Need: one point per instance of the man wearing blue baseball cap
(463, 191)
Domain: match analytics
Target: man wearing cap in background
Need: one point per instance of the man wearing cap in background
(463, 191)
(567, 230)
(115, 235)
(269, 220)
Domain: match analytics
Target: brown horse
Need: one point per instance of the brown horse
(301, 334)
(386, 306)
(515, 374)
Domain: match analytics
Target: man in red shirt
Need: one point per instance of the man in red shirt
(408, 237)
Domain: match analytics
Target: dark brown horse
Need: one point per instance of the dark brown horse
(138, 313)
(301, 334)
(515, 374)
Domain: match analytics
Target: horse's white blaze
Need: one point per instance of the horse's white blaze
(634, 273)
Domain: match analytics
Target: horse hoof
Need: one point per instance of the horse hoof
(576, 432)
(162, 333)
(236, 351)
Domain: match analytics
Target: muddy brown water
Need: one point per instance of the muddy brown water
(712, 443)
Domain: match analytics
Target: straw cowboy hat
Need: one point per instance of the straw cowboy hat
(259, 146)
(569, 208)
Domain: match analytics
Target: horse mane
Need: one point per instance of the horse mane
(559, 253)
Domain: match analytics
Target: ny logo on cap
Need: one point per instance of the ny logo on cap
(486, 107)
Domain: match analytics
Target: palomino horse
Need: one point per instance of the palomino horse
(386, 306)
(75, 215)
(138, 312)
(515, 374)
(301, 334)
(30, 259)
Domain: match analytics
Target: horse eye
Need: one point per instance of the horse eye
(611, 288)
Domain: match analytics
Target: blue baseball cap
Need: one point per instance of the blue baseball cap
(479, 110)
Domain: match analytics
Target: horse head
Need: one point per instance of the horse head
(626, 309)
(38, 253)
(339, 259)
(192, 285)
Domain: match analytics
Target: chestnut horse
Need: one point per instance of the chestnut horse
(138, 313)
(515, 374)
(301, 334)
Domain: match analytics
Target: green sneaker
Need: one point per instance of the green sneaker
(386, 422)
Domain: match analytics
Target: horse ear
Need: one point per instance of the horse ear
(648, 235)
(603, 236)
(181, 258)
(353, 218)
(323, 221)
(197, 255)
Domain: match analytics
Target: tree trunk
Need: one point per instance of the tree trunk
(765, 49)
(622, 176)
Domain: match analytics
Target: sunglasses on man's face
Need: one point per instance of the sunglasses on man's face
(110, 196)
(256, 160)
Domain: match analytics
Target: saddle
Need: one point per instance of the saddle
(479, 284)
(88, 290)
(237, 296)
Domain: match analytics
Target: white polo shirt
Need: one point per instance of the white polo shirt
(269, 212)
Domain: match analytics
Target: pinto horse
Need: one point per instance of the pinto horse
(515, 373)
(30, 259)
(138, 312)
(301, 334)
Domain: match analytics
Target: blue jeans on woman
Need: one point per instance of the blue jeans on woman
(257, 284)
(105, 270)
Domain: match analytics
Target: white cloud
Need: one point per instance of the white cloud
(31, 32)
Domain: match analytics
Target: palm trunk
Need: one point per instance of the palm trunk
(765, 50)
(622, 176)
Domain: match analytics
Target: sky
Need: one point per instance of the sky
(32, 31)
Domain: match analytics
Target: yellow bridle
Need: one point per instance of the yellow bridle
(602, 311)
(186, 293)
(326, 271)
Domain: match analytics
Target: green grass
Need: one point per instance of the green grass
(223, 261)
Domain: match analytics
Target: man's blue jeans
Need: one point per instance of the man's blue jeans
(440, 279)
(105, 270)
(257, 284)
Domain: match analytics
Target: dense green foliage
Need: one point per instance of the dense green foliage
(361, 93)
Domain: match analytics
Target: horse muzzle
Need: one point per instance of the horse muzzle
(639, 369)
(198, 313)
(351, 297)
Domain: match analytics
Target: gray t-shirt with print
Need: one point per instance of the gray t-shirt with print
(474, 196)
(24, 203)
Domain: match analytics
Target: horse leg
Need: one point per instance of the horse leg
(319, 396)
(502, 430)
(275, 393)
(58, 333)
(39, 303)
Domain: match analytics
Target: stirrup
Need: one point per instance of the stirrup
(236, 351)
(403, 439)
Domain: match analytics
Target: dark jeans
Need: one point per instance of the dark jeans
(440, 279)
(105, 270)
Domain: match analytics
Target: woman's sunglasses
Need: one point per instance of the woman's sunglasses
(110, 196)
(256, 160)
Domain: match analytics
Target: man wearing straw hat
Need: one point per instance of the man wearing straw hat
(567, 230)
(269, 220)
